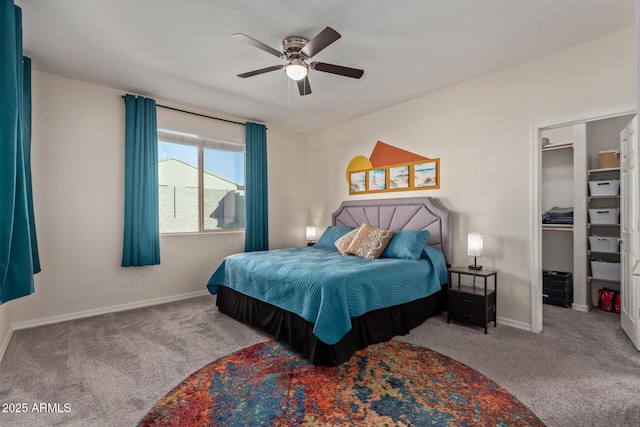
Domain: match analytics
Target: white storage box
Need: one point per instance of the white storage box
(604, 188)
(604, 216)
(605, 270)
(604, 244)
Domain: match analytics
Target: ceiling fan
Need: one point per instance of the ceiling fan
(296, 50)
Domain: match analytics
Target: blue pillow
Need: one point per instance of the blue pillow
(406, 244)
(330, 235)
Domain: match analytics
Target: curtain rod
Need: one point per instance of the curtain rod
(201, 115)
(198, 114)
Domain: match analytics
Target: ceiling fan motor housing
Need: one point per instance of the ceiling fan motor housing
(291, 46)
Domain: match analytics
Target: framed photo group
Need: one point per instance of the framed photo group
(422, 175)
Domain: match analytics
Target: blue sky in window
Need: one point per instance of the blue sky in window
(225, 164)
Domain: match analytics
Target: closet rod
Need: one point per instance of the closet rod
(198, 114)
(557, 229)
(557, 147)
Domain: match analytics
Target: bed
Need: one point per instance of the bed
(328, 306)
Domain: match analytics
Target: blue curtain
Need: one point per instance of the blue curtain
(256, 190)
(141, 218)
(18, 248)
(26, 143)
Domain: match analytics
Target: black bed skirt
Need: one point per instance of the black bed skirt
(289, 328)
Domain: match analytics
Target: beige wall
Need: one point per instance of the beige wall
(78, 180)
(481, 131)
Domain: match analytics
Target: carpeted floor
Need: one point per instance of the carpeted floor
(110, 370)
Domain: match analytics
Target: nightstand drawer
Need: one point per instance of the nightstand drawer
(471, 315)
(472, 300)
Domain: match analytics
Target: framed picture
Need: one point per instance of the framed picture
(399, 177)
(425, 174)
(411, 176)
(358, 182)
(377, 179)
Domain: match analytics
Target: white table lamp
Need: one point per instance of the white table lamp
(311, 234)
(474, 249)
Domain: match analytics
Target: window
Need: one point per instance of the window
(201, 182)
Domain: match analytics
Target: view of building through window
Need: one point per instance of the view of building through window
(184, 206)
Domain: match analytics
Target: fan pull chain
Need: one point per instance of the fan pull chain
(304, 106)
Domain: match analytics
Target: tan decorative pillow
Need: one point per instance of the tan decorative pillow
(343, 242)
(369, 241)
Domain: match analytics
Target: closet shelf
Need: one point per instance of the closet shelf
(589, 252)
(590, 171)
(591, 279)
(589, 198)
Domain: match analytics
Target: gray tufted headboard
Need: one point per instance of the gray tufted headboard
(411, 213)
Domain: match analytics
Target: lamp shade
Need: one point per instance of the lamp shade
(474, 244)
(311, 233)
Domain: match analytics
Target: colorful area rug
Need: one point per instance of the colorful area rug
(387, 384)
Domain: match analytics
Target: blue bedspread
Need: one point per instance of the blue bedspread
(326, 288)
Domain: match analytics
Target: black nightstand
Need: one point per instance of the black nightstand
(469, 304)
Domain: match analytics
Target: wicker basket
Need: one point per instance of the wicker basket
(609, 159)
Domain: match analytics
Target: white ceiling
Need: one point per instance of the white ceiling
(182, 50)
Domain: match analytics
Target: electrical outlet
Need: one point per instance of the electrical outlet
(137, 280)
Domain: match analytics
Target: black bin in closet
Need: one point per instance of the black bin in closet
(557, 288)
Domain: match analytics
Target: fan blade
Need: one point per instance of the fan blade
(261, 71)
(337, 69)
(303, 86)
(253, 42)
(319, 42)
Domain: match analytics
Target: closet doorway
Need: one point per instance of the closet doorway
(572, 160)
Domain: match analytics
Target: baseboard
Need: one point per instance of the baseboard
(5, 343)
(514, 323)
(105, 310)
(579, 307)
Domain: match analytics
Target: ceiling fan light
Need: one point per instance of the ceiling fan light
(296, 70)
